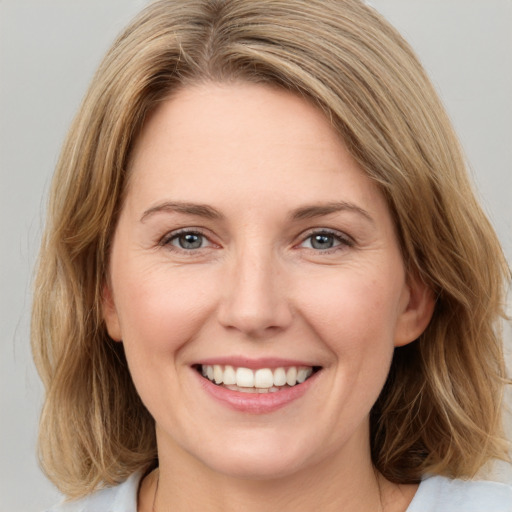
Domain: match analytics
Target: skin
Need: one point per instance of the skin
(257, 287)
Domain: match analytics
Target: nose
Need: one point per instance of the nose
(254, 298)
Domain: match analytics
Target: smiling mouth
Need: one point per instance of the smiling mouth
(262, 380)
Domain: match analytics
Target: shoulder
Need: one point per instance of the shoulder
(121, 498)
(440, 494)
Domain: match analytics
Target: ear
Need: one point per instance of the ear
(418, 308)
(110, 313)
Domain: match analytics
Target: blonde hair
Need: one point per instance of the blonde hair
(439, 411)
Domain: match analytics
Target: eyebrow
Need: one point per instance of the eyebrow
(313, 211)
(303, 213)
(199, 210)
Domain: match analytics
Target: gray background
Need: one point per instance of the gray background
(48, 52)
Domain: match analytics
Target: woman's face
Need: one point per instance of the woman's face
(252, 248)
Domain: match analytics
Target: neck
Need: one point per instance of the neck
(347, 482)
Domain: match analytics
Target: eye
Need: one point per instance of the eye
(325, 240)
(186, 240)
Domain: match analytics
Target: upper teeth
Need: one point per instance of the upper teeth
(260, 378)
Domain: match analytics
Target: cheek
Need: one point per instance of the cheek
(353, 312)
(355, 317)
(161, 310)
(160, 313)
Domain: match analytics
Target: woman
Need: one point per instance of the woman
(265, 281)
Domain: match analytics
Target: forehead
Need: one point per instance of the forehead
(234, 114)
(225, 139)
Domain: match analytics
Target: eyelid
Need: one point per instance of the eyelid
(344, 239)
(165, 241)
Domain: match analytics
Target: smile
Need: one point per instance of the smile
(256, 387)
(261, 380)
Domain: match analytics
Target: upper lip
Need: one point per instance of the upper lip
(254, 364)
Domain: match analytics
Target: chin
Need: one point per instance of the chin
(261, 459)
(254, 467)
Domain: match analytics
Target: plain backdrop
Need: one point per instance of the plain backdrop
(49, 50)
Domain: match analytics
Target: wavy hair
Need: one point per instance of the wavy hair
(440, 409)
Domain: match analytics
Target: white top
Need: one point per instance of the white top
(435, 494)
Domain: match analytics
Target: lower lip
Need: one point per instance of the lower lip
(256, 403)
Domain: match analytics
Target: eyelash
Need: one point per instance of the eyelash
(167, 240)
(341, 240)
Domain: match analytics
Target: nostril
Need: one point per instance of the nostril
(256, 305)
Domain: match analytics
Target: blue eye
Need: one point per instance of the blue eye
(190, 241)
(186, 240)
(322, 241)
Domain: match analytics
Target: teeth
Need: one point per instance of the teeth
(254, 390)
(302, 375)
(279, 377)
(217, 374)
(262, 380)
(291, 376)
(229, 376)
(244, 378)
